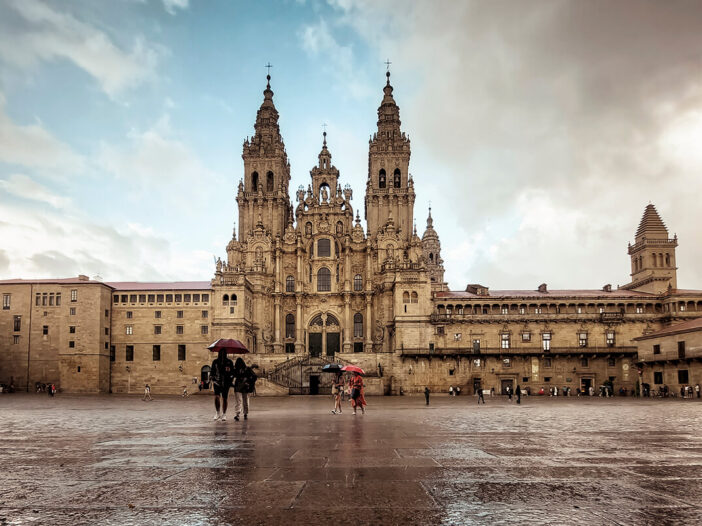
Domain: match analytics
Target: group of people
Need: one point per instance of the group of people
(225, 375)
(355, 389)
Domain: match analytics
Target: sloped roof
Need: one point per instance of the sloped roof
(54, 281)
(678, 328)
(160, 285)
(651, 224)
(565, 293)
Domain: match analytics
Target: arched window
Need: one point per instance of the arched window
(339, 228)
(431, 257)
(667, 260)
(324, 248)
(397, 178)
(254, 182)
(269, 182)
(323, 280)
(381, 179)
(232, 299)
(405, 297)
(225, 299)
(415, 297)
(358, 282)
(290, 326)
(308, 229)
(358, 325)
(289, 284)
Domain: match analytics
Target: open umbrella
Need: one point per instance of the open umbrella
(352, 369)
(231, 346)
(332, 368)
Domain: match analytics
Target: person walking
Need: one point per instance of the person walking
(519, 394)
(426, 394)
(697, 390)
(337, 389)
(481, 396)
(244, 383)
(147, 393)
(222, 374)
(450, 390)
(509, 393)
(357, 399)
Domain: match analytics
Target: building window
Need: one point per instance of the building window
(159, 298)
(129, 353)
(600, 310)
(157, 329)
(397, 178)
(157, 314)
(415, 298)
(526, 336)
(658, 377)
(683, 377)
(132, 298)
(37, 299)
(323, 248)
(72, 329)
(179, 329)
(106, 345)
(584, 362)
(504, 310)
(17, 323)
(476, 346)
(582, 339)
(107, 313)
(610, 338)
(323, 280)
(289, 347)
(181, 353)
(112, 353)
(546, 341)
(44, 299)
(205, 314)
(107, 331)
(681, 350)
(656, 349)
(129, 315)
(611, 362)
(357, 282)
(358, 325)
(290, 326)
(440, 330)
(382, 178)
(142, 298)
(205, 298)
(547, 379)
(71, 344)
(51, 299)
(178, 298)
(157, 353)
(179, 314)
(537, 310)
(682, 307)
(186, 298)
(45, 330)
(72, 311)
(128, 329)
(431, 347)
(457, 337)
(204, 329)
(6, 301)
(504, 341)
(522, 310)
(579, 310)
(290, 284)
(405, 297)
(74, 295)
(639, 309)
(169, 298)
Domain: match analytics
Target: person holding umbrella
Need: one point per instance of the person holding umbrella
(244, 383)
(357, 398)
(337, 388)
(222, 376)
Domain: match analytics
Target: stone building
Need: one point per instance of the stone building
(304, 284)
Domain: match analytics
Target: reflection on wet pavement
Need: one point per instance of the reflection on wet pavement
(117, 460)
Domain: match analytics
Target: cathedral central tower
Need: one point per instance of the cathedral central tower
(389, 189)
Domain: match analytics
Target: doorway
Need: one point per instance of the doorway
(315, 343)
(505, 385)
(477, 385)
(585, 384)
(205, 376)
(314, 384)
(332, 343)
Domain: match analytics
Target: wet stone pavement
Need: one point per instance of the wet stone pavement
(117, 460)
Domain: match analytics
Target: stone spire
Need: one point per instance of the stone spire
(388, 113)
(431, 247)
(325, 175)
(651, 225)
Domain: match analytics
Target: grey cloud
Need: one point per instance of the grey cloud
(4, 262)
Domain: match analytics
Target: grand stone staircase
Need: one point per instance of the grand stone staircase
(295, 373)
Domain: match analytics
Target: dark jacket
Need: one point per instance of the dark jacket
(245, 380)
(222, 373)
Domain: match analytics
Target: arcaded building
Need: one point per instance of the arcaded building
(303, 283)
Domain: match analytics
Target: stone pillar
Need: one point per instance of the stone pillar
(368, 344)
(348, 333)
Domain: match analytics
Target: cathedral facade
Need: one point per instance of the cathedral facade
(304, 284)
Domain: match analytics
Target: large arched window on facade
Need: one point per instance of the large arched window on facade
(290, 326)
(324, 248)
(323, 280)
(290, 284)
(358, 282)
(415, 297)
(382, 178)
(254, 182)
(358, 325)
(397, 178)
(269, 182)
(225, 299)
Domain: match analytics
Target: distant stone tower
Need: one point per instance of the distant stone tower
(389, 189)
(432, 254)
(263, 195)
(652, 255)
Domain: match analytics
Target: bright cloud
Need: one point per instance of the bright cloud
(171, 6)
(23, 186)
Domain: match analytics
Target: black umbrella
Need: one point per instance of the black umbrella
(332, 368)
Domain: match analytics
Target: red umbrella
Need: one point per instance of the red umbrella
(231, 346)
(352, 369)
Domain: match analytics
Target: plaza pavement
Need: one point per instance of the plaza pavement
(117, 460)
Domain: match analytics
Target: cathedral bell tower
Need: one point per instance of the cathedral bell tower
(389, 189)
(652, 255)
(431, 248)
(263, 194)
(325, 176)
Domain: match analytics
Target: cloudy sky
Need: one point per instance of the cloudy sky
(540, 130)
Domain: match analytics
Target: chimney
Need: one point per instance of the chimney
(607, 288)
(543, 288)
